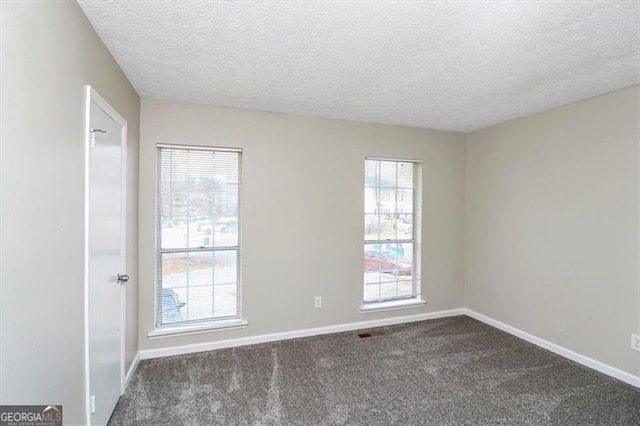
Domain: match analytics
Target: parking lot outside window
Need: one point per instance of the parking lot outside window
(391, 259)
(198, 236)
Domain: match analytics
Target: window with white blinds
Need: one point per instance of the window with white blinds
(198, 235)
(390, 258)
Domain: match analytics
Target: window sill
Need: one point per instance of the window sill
(196, 329)
(391, 305)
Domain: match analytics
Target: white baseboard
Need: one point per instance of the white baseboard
(264, 338)
(557, 349)
(132, 369)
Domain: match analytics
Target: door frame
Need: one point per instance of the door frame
(92, 95)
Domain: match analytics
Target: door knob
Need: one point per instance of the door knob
(122, 278)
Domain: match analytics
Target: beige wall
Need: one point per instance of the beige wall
(552, 226)
(302, 212)
(49, 52)
(551, 213)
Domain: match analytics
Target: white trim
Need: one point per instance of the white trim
(159, 333)
(399, 160)
(108, 109)
(198, 147)
(211, 324)
(123, 250)
(132, 369)
(557, 349)
(93, 96)
(87, 141)
(638, 246)
(263, 338)
(391, 305)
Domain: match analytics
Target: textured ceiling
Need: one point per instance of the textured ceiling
(450, 65)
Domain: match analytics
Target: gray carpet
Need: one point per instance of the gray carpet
(452, 371)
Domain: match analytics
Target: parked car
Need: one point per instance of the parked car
(378, 261)
(171, 305)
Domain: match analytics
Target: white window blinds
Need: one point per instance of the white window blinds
(390, 249)
(198, 235)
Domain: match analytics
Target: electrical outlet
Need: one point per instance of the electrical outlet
(635, 342)
(318, 302)
(93, 404)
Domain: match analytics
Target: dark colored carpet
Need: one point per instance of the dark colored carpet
(451, 371)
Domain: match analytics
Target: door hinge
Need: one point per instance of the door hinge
(92, 136)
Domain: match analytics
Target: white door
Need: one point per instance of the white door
(106, 259)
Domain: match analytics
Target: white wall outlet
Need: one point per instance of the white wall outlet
(635, 342)
(318, 302)
(92, 404)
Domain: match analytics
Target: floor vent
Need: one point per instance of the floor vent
(372, 334)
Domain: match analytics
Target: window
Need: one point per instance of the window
(390, 222)
(198, 236)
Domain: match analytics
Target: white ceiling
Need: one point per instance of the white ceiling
(450, 65)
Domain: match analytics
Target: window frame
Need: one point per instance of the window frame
(414, 298)
(205, 324)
